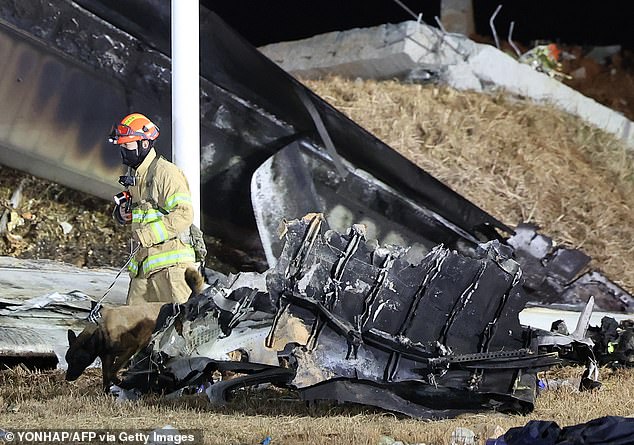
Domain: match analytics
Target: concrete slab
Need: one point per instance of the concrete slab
(21, 280)
(396, 50)
(381, 52)
(497, 68)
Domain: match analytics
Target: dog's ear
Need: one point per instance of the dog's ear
(71, 337)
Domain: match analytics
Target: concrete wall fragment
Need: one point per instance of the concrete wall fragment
(402, 50)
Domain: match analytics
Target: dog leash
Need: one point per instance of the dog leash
(95, 311)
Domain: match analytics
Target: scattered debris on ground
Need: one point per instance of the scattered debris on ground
(55, 222)
(29, 398)
(339, 319)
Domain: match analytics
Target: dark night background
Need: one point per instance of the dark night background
(565, 21)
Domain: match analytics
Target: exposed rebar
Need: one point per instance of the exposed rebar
(417, 17)
(443, 33)
(495, 34)
(440, 25)
(510, 40)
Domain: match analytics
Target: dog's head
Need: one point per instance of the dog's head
(83, 349)
(195, 281)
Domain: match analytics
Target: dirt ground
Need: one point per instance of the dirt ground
(58, 223)
(605, 74)
(609, 80)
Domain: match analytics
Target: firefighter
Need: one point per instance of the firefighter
(157, 205)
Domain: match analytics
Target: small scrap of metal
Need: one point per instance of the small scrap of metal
(545, 59)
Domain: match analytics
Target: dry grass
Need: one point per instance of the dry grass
(45, 400)
(517, 160)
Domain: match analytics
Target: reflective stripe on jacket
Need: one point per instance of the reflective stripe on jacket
(160, 260)
(161, 213)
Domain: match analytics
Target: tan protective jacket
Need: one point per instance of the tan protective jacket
(161, 216)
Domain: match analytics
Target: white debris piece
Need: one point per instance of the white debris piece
(66, 227)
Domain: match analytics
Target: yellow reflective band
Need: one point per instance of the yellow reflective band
(176, 199)
(168, 258)
(147, 216)
(159, 230)
(133, 266)
(131, 119)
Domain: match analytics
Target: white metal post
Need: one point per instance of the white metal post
(186, 95)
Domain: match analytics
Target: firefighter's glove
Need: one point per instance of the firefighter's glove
(121, 215)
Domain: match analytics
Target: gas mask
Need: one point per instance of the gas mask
(134, 158)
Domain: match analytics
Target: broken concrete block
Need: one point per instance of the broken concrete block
(496, 68)
(382, 52)
(397, 50)
(461, 77)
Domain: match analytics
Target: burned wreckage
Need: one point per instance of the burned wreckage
(341, 318)
(395, 292)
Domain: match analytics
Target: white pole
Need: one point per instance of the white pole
(186, 95)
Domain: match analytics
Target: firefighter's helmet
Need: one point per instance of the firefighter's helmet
(133, 127)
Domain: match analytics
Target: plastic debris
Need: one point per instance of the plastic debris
(552, 384)
(124, 395)
(463, 436)
(545, 59)
(66, 227)
(387, 440)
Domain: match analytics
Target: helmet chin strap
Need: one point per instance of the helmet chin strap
(143, 151)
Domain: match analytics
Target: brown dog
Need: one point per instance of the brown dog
(120, 333)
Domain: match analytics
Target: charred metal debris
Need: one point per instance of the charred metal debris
(427, 329)
(340, 318)
(558, 276)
